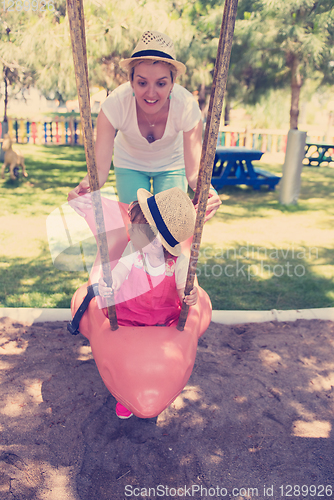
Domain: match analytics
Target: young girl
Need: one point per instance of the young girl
(149, 279)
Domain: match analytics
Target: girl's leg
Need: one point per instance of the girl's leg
(169, 179)
(129, 181)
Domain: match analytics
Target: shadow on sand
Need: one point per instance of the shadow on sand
(255, 417)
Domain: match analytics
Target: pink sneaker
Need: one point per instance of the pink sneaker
(122, 412)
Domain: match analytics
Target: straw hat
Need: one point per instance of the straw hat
(172, 213)
(156, 46)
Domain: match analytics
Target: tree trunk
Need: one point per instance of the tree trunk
(201, 97)
(227, 112)
(296, 84)
(6, 94)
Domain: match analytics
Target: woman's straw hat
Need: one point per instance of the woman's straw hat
(172, 213)
(156, 46)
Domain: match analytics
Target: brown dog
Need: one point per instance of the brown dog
(13, 158)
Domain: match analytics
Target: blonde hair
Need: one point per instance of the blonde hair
(136, 216)
(133, 64)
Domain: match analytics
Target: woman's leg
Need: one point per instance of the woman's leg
(168, 179)
(129, 181)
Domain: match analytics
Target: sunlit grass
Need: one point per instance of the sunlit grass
(252, 219)
(52, 172)
(37, 283)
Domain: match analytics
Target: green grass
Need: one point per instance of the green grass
(256, 254)
(263, 278)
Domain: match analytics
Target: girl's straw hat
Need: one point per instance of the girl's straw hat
(172, 213)
(156, 46)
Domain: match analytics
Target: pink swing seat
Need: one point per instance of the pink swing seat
(144, 367)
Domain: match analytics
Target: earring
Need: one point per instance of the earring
(170, 96)
(133, 94)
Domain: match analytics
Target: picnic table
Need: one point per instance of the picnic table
(233, 166)
(317, 153)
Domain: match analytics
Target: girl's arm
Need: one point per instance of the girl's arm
(190, 299)
(192, 144)
(104, 145)
(119, 274)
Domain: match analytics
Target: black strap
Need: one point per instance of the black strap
(73, 326)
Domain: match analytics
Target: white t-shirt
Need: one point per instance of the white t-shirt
(131, 149)
(133, 258)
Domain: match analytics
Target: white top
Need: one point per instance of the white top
(133, 258)
(131, 149)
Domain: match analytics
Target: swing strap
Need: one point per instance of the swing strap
(73, 326)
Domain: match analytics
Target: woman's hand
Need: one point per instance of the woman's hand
(192, 144)
(77, 199)
(213, 204)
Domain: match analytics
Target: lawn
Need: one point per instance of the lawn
(256, 254)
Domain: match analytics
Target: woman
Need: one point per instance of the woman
(158, 124)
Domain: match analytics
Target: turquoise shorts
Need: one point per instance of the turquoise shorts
(129, 181)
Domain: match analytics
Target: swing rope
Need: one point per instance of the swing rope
(77, 30)
(210, 142)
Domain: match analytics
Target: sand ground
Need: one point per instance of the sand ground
(255, 419)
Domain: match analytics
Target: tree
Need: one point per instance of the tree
(244, 82)
(291, 41)
(112, 30)
(277, 43)
(202, 20)
(16, 74)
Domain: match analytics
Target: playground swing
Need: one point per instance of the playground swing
(145, 368)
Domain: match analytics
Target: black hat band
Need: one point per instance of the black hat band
(153, 53)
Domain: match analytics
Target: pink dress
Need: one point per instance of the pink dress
(159, 305)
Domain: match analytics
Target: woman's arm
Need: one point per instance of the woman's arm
(104, 145)
(192, 144)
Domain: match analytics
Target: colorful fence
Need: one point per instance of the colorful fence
(60, 131)
(68, 131)
(265, 140)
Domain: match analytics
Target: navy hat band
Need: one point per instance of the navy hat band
(159, 222)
